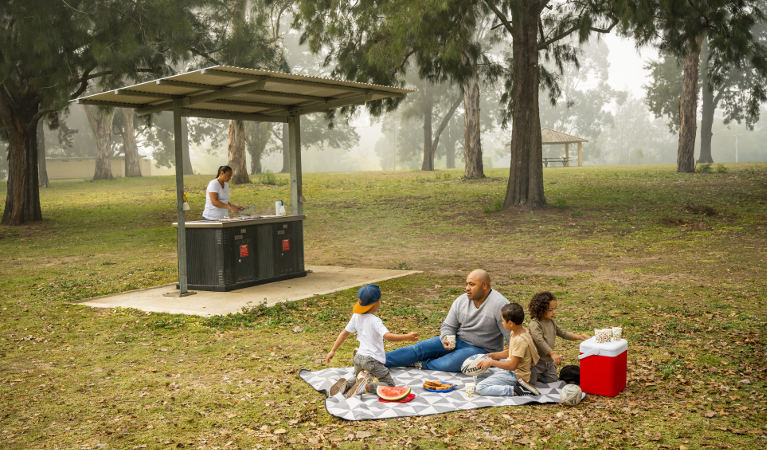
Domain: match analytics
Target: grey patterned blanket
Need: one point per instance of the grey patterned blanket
(368, 407)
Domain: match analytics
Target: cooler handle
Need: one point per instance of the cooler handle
(586, 355)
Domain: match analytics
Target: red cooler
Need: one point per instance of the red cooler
(603, 367)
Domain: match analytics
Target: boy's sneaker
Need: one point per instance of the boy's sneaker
(525, 388)
(360, 387)
(338, 386)
(417, 365)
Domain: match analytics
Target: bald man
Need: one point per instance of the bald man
(475, 320)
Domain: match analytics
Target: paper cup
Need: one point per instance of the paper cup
(617, 333)
(603, 335)
(470, 388)
(450, 341)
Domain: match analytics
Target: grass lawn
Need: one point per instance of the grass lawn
(677, 259)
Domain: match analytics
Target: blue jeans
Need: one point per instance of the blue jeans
(497, 382)
(432, 355)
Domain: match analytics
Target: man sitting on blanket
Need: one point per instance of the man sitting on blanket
(474, 319)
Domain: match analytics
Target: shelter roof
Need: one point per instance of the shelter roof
(228, 92)
(549, 136)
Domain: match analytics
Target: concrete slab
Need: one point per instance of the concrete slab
(321, 280)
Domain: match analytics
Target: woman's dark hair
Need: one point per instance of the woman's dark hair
(513, 312)
(222, 169)
(539, 304)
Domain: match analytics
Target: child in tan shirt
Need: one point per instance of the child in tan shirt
(544, 332)
(516, 362)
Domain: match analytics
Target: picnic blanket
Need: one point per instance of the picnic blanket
(367, 407)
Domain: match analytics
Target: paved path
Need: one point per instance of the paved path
(321, 280)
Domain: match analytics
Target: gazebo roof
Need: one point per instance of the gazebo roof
(227, 92)
(549, 136)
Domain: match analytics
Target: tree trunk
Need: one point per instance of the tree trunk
(255, 165)
(441, 127)
(428, 151)
(132, 166)
(707, 118)
(100, 120)
(688, 109)
(525, 185)
(22, 198)
(285, 149)
(472, 146)
(706, 125)
(42, 169)
(237, 152)
(257, 138)
(188, 170)
(450, 154)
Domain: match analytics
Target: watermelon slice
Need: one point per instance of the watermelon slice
(392, 393)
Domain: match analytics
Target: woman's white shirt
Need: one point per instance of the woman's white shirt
(212, 212)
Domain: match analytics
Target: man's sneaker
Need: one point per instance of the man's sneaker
(338, 386)
(526, 387)
(417, 365)
(359, 388)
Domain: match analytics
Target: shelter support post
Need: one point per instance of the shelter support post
(567, 154)
(296, 184)
(580, 154)
(181, 230)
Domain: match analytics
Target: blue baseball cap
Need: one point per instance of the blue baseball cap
(367, 296)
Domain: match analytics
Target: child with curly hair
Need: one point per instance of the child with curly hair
(544, 331)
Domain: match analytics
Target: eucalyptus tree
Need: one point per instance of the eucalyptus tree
(737, 89)
(50, 52)
(376, 41)
(379, 42)
(100, 120)
(434, 104)
(680, 28)
(127, 129)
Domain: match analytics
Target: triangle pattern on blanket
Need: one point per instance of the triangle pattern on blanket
(367, 407)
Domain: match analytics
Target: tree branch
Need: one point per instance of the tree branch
(500, 15)
(445, 120)
(569, 31)
(83, 83)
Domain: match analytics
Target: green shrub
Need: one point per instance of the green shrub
(560, 203)
(497, 206)
(720, 168)
(267, 177)
(703, 168)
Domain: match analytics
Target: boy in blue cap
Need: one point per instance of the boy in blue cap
(370, 357)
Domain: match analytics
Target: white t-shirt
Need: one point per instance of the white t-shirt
(213, 212)
(370, 331)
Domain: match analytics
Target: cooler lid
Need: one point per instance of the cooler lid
(590, 347)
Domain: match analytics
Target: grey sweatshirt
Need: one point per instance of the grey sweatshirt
(481, 327)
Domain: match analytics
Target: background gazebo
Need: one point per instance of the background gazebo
(551, 137)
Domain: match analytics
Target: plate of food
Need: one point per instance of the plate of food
(437, 386)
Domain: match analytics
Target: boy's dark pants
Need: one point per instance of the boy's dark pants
(374, 368)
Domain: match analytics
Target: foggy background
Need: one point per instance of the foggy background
(603, 101)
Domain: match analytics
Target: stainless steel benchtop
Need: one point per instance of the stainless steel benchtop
(239, 221)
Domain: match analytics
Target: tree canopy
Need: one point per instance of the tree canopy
(51, 50)
(680, 28)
